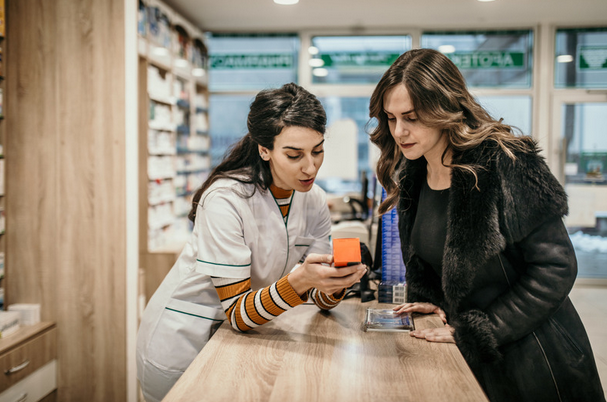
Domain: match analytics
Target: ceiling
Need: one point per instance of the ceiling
(358, 16)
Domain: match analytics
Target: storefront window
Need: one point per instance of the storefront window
(487, 59)
(515, 110)
(586, 143)
(354, 59)
(252, 62)
(228, 122)
(585, 153)
(347, 123)
(581, 58)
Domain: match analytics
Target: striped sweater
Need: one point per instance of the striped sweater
(247, 309)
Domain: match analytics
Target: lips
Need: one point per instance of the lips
(307, 182)
(406, 146)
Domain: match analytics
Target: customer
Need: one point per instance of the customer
(256, 217)
(480, 221)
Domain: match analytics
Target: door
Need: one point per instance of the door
(579, 121)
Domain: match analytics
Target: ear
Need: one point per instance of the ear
(264, 153)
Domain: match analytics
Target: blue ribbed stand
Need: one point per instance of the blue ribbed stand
(393, 268)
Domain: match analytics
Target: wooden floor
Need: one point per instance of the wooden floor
(590, 300)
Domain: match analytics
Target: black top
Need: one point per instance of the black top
(430, 227)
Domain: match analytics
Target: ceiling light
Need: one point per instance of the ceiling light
(485, 1)
(446, 49)
(181, 63)
(316, 62)
(565, 58)
(160, 51)
(198, 72)
(313, 50)
(320, 72)
(286, 2)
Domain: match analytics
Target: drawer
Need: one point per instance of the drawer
(34, 387)
(25, 359)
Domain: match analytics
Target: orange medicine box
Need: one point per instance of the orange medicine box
(346, 252)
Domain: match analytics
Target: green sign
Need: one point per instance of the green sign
(593, 162)
(493, 60)
(592, 57)
(359, 59)
(257, 61)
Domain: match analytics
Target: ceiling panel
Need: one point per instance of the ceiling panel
(360, 16)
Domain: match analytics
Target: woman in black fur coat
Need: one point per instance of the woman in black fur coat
(480, 221)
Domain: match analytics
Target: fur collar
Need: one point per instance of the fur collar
(509, 200)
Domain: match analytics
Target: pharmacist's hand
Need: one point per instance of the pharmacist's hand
(444, 334)
(424, 308)
(313, 274)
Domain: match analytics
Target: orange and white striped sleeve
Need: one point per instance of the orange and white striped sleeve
(246, 309)
(325, 301)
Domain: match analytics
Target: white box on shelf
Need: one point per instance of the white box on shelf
(9, 322)
(30, 312)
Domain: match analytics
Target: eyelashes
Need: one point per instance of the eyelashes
(315, 153)
(409, 119)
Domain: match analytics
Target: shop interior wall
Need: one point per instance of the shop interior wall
(65, 157)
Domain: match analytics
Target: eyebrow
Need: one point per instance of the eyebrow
(301, 149)
(407, 112)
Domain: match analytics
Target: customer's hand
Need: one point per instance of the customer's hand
(316, 272)
(424, 308)
(444, 334)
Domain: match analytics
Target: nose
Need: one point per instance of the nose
(400, 130)
(308, 166)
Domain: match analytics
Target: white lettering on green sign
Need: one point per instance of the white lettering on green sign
(488, 60)
(592, 58)
(258, 61)
(360, 59)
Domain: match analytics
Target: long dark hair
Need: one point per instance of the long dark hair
(271, 111)
(441, 100)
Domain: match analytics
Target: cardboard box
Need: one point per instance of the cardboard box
(346, 252)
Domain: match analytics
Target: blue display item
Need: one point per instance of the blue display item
(393, 267)
(159, 27)
(142, 19)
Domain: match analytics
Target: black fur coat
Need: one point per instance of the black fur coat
(508, 267)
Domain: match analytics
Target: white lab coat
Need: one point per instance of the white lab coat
(234, 237)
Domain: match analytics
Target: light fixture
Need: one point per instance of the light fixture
(313, 50)
(286, 2)
(564, 58)
(316, 62)
(160, 51)
(485, 1)
(446, 49)
(198, 72)
(320, 72)
(181, 63)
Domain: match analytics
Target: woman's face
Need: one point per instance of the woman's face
(297, 155)
(414, 139)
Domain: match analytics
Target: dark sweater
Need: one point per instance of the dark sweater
(430, 227)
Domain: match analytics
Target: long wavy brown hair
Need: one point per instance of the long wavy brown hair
(441, 100)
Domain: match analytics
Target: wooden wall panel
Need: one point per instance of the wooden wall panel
(65, 151)
(31, 161)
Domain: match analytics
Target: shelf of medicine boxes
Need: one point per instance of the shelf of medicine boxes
(178, 150)
(162, 133)
(178, 160)
(193, 156)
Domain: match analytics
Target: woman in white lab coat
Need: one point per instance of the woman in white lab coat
(260, 244)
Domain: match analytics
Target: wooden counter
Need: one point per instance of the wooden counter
(309, 355)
